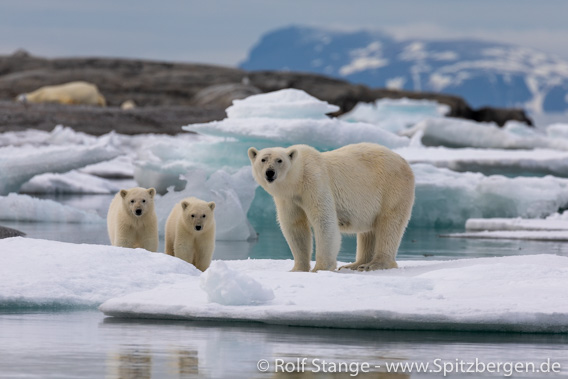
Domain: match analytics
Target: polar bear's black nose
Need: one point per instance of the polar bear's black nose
(270, 175)
(197, 227)
(138, 212)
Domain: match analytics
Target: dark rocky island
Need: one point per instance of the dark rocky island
(170, 95)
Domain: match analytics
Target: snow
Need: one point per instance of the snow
(49, 274)
(551, 223)
(514, 294)
(227, 286)
(25, 208)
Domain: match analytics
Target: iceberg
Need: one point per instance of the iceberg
(71, 182)
(483, 294)
(52, 275)
(289, 117)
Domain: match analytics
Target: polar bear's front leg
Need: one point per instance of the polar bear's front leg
(323, 218)
(296, 230)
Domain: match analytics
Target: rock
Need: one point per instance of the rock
(222, 95)
(500, 115)
(9, 232)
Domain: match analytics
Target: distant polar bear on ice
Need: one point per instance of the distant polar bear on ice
(77, 93)
(362, 188)
(190, 232)
(132, 220)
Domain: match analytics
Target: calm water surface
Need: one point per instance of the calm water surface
(85, 344)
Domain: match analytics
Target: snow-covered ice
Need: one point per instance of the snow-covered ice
(72, 182)
(49, 274)
(520, 294)
(551, 223)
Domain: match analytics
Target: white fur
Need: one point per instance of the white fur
(363, 188)
(184, 240)
(125, 227)
(68, 93)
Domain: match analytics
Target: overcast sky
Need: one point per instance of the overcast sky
(222, 32)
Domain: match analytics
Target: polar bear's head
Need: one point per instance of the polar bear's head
(138, 201)
(270, 166)
(198, 214)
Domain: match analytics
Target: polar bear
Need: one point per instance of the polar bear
(69, 93)
(132, 220)
(362, 188)
(190, 232)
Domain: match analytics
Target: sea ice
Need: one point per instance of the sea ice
(71, 182)
(529, 235)
(552, 223)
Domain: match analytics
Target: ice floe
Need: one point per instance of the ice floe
(520, 294)
(529, 235)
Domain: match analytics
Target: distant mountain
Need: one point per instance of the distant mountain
(484, 73)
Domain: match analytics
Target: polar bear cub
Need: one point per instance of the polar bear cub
(190, 232)
(131, 219)
(363, 188)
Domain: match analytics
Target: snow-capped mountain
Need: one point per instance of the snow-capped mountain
(484, 73)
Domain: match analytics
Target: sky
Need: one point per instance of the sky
(222, 32)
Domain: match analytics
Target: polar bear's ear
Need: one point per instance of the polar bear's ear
(123, 193)
(152, 191)
(252, 152)
(211, 205)
(292, 154)
(184, 205)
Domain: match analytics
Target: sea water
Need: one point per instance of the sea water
(86, 344)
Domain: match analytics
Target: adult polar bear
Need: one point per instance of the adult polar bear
(362, 188)
(77, 93)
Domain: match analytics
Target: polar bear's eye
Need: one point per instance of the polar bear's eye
(131, 201)
(204, 216)
(144, 200)
(279, 161)
(263, 160)
(192, 216)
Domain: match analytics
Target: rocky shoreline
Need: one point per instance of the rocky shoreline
(170, 95)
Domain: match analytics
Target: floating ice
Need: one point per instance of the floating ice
(484, 294)
(20, 164)
(71, 182)
(285, 103)
(448, 198)
(529, 235)
(39, 273)
(395, 115)
(453, 132)
(227, 286)
(279, 117)
(232, 194)
(491, 161)
(16, 207)
(553, 223)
